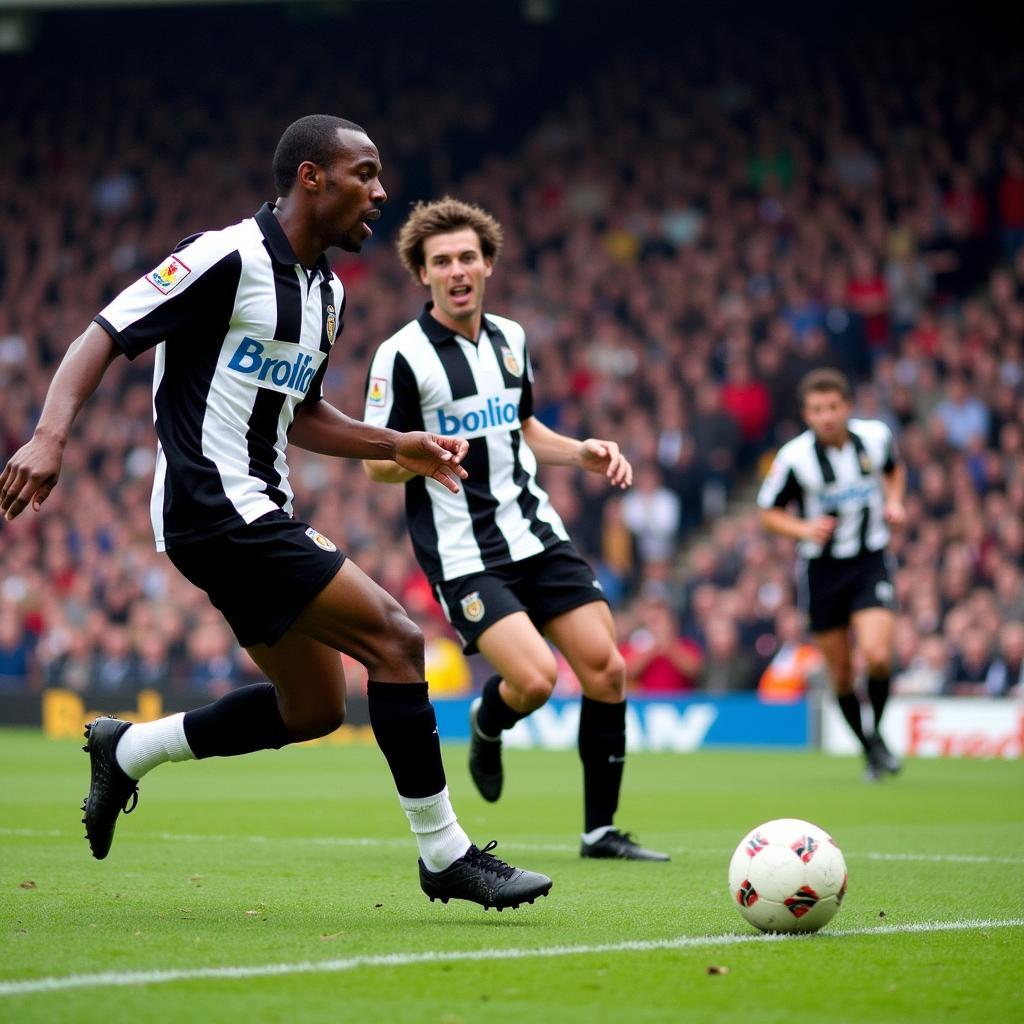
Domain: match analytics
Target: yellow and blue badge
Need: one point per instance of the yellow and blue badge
(168, 275)
(378, 392)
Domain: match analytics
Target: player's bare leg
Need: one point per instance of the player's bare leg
(873, 629)
(834, 644)
(586, 636)
(525, 676)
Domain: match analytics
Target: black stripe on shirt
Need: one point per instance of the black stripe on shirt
(261, 437)
(481, 504)
(193, 490)
(528, 503)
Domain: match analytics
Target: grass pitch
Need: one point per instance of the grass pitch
(283, 886)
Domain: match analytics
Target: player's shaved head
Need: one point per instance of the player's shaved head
(314, 138)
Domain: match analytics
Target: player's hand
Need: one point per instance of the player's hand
(598, 456)
(30, 476)
(895, 513)
(433, 456)
(820, 530)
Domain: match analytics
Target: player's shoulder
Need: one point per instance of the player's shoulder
(873, 429)
(796, 448)
(511, 329)
(207, 247)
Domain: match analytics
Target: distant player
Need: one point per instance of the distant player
(843, 478)
(497, 554)
(244, 320)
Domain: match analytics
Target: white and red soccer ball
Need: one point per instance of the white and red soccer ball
(787, 875)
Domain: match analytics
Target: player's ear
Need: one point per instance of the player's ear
(308, 175)
(488, 267)
(423, 275)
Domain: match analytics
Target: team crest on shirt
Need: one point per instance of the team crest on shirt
(168, 275)
(509, 359)
(320, 540)
(378, 393)
(473, 607)
(332, 324)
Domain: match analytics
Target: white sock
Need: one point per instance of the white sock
(438, 832)
(145, 745)
(592, 837)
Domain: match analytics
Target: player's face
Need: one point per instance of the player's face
(455, 271)
(826, 413)
(352, 193)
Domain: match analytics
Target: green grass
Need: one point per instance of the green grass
(257, 860)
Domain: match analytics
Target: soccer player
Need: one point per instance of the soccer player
(497, 554)
(844, 479)
(244, 320)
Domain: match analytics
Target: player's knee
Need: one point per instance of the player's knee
(607, 682)
(406, 638)
(535, 684)
(877, 662)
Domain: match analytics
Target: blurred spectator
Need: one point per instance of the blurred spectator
(658, 659)
(796, 667)
(651, 512)
(1006, 672)
(15, 651)
(727, 668)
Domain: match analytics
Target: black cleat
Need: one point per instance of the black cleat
(881, 758)
(484, 759)
(616, 845)
(110, 790)
(480, 877)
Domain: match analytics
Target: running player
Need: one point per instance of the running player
(497, 553)
(847, 486)
(244, 320)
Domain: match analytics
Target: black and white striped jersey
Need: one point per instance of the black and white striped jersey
(426, 377)
(243, 334)
(845, 482)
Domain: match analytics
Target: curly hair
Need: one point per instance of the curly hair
(438, 218)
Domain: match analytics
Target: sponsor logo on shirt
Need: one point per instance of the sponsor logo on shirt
(277, 365)
(480, 414)
(168, 275)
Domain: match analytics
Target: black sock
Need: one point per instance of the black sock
(406, 731)
(602, 746)
(849, 704)
(878, 694)
(494, 715)
(242, 721)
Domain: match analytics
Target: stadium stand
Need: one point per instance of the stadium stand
(687, 236)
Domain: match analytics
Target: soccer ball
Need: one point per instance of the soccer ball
(787, 875)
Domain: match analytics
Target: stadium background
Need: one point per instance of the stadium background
(699, 209)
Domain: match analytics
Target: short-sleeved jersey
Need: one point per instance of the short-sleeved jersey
(845, 482)
(426, 377)
(242, 333)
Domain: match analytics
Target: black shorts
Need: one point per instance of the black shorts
(835, 588)
(260, 576)
(544, 586)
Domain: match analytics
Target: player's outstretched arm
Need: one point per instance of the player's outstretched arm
(778, 520)
(319, 427)
(594, 454)
(33, 469)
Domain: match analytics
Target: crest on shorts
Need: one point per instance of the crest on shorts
(473, 607)
(332, 324)
(886, 593)
(320, 540)
(509, 359)
(168, 275)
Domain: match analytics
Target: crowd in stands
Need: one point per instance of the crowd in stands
(687, 235)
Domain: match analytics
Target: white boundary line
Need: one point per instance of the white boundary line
(380, 843)
(132, 978)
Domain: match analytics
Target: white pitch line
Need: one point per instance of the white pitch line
(377, 843)
(131, 978)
